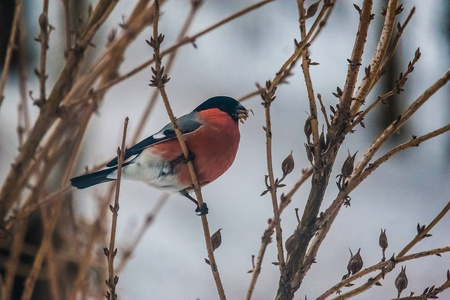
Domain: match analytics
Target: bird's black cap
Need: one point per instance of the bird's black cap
(224, 103)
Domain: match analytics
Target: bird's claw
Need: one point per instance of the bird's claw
(202, 211)
(189, 158)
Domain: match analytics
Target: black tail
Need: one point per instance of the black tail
(85, 181)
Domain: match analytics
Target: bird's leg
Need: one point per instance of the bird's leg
(182, 160)
(203, 211)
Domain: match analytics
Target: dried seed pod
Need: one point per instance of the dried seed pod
(347, 167)
(288, 164)
(355, 263)
(216, 239)
(290, 243)
(383, 241)
(307, 128)
(401, 282)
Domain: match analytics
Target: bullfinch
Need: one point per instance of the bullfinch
(211, 133)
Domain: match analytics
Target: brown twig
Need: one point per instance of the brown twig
(111, 252)
(386, 265)
(50, 226)
(95, 231)
(268, 98)
(23, 126)
(400, 256)
(380, 51)
(267, 236)
(159, 81)
(10, 49)
(132, 245)
(48, 114)
(309, 86)
(430, 292)
(68, 45)
(185, 41)
(195, 5)
(43, 40)
(397, 89)
(414, 142)
(365, 16)
(393, 47)
(13, 260)
(394, 127)
(324, 111)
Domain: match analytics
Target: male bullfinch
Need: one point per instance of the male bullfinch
(211, 133)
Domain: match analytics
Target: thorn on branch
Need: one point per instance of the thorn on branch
(124, 24)
(112, 36)
(399, 9)
(338, 93)
(367, 71)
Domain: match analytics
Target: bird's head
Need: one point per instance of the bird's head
(226, 104)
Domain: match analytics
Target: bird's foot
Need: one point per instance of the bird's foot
(202, 211)
(189, 158)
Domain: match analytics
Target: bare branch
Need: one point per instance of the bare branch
(365, 16)
(380, 51)
(159, 80)
(10, 49)
(110, 253)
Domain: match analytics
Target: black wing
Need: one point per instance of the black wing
(187, 123)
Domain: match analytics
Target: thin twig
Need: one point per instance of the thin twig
(195, 5)
(389, 264)
(324, 111)
(401, 255)
(393, 46)
(132, 245)
(47, 116)
(268, 98)
(160, 80)
(13, 259)
(10, 48)
(43, 40)
(94, 233)
(23, 126)
(112, 251)
(309, 87)
(68, 46)
(380, 52)
(186, 40)
(267, 236)
(50, 227)
(414, 142)
(394, 127)
(365, 16)
(398, 88)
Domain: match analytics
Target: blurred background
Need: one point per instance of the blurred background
(168, 263)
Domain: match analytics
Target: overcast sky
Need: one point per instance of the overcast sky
(169, 263)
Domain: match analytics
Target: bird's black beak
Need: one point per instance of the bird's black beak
(242, 113)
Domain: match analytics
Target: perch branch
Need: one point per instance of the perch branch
(160, 80)
(112, 251)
